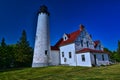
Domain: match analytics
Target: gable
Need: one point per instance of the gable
(71, 39)
(65, 36)
(84, 36)
(84, 40)
(98, 45)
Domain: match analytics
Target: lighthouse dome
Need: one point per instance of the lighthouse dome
(44, 9)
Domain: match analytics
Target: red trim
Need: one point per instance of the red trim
(90, 50)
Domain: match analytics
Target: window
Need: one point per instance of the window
(87, 44)
(65, 59)
(83, 57)
(81, 43)
(65, 38)
(62, 54)
(103, 57)
(70, 55)
(99, 47)
(45, 52)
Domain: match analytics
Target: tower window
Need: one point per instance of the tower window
(83, 57)
(46, 52)
(62, 54)
(70, 55)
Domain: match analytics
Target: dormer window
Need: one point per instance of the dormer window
(65, 37)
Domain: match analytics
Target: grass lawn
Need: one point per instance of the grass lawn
(63, 73)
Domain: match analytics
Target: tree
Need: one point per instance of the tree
(3, 54)
(118, 52)
(6, 55)
(23, 52)
(3, 44)
(115, 55)
(107, 50)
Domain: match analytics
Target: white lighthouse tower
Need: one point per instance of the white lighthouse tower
(41, 55)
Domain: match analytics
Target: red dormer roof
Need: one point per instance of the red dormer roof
(96, 43)
(90, 50)
(71, 38)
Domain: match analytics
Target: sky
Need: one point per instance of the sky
(101, 19)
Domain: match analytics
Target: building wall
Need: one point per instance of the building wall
(86, 40)
(87, 61)
(42, 42)
(55, 57)
(65, 60)
(99, 59)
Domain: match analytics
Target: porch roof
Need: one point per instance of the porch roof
(90, 50)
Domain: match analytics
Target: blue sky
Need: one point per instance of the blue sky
(100, 17)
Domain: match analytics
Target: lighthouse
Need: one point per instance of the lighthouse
(41, 56)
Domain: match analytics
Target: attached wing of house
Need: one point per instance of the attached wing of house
(78, 49)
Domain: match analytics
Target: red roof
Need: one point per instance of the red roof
(96, 43)
(90, 50)
(71, 38)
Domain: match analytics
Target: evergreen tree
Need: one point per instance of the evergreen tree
(115, 55)
(3, 54)
(3, 44)
(10, 56)
(6, 55)
(23, 52)
(118, 52)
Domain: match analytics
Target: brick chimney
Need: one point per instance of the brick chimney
(81, 27)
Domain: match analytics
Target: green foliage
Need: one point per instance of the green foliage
(23, 52)
(118, 50)
(3, 44)
(116, 54)
(17, 55)
(107, 50)
(63, 73)
(3, 54)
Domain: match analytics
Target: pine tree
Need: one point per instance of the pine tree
(118, 52)
(23, 53)
(3, 44)
(3, 54)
